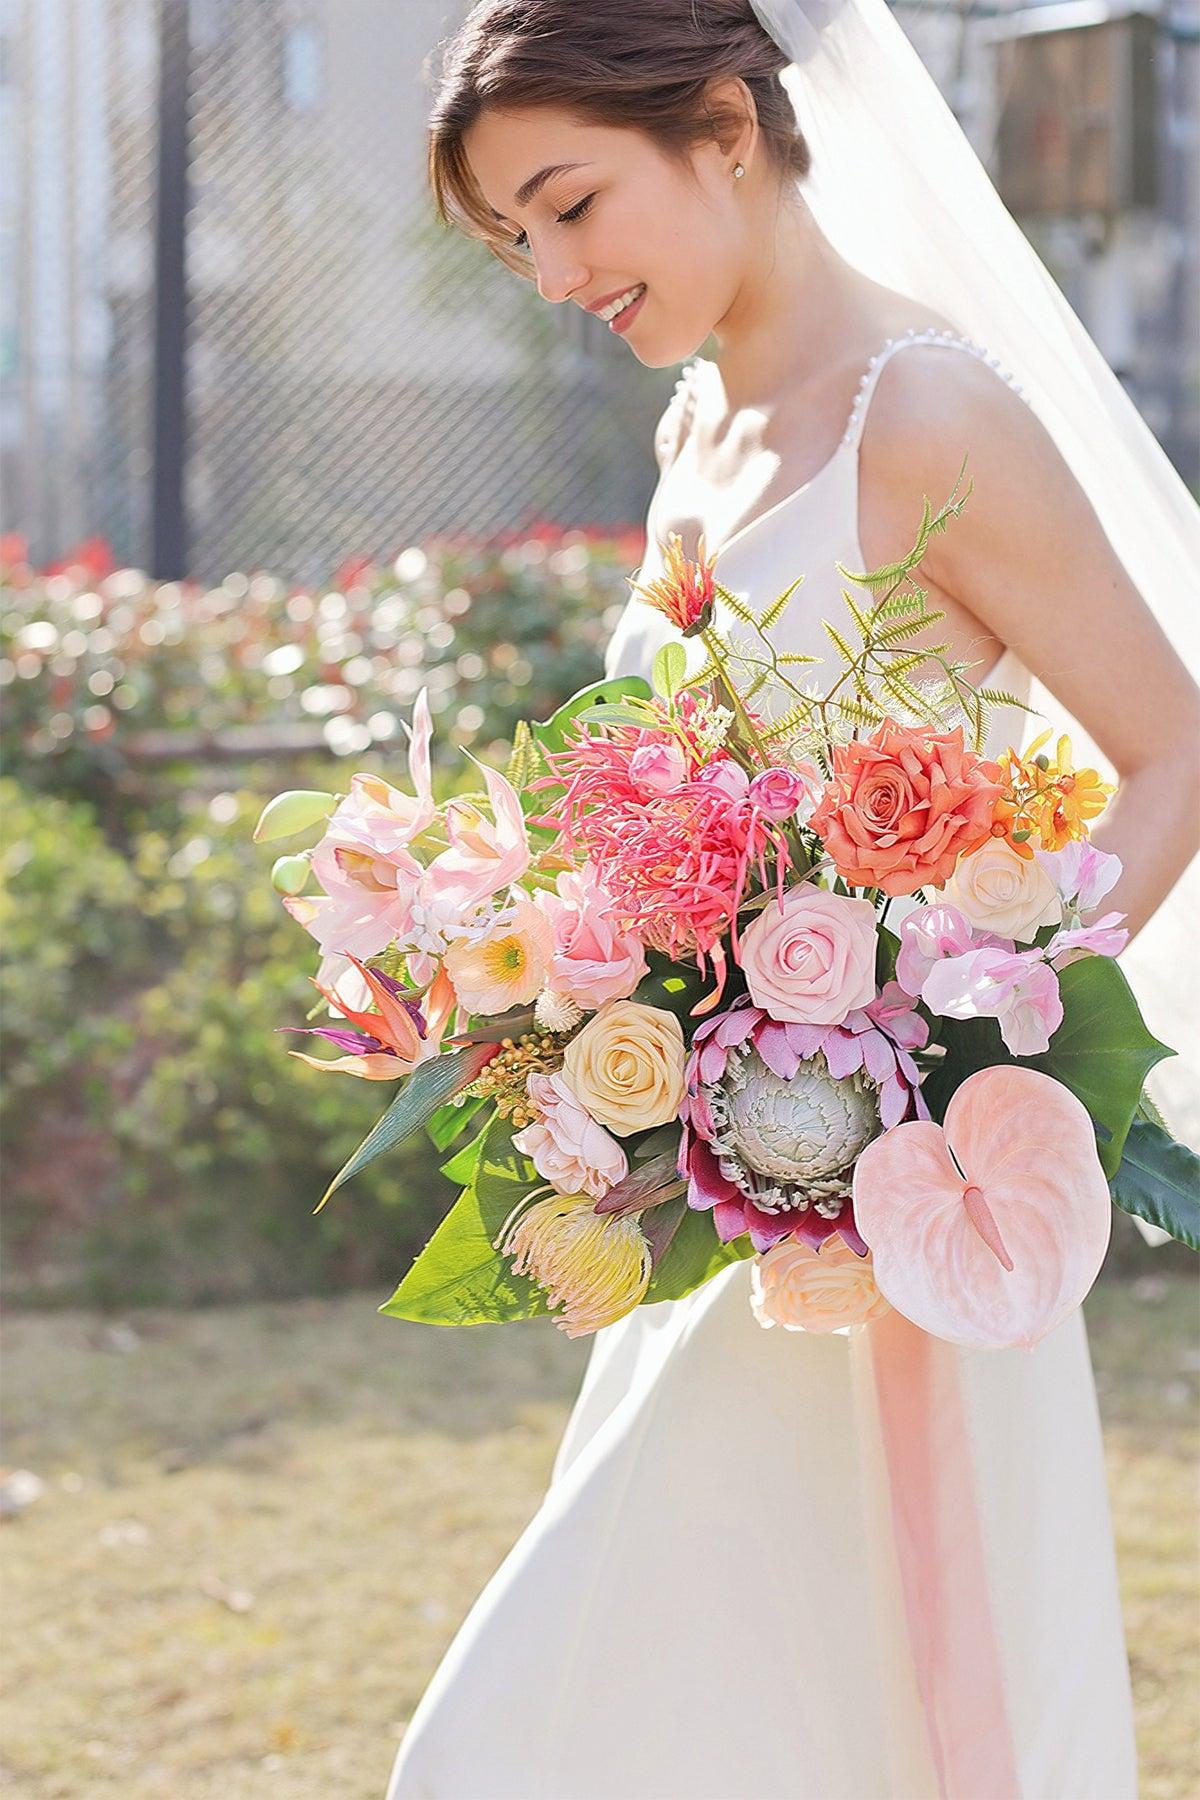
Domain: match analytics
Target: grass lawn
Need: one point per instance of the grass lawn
(261, 1525)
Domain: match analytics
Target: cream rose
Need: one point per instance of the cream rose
(811, 960)
(626, 1066)
(999, 890)
(804, 1289)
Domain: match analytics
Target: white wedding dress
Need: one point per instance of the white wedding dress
(707, 1605)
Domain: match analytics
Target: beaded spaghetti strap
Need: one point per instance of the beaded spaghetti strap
(953, 340)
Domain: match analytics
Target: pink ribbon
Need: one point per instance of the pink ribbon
(943, 1574)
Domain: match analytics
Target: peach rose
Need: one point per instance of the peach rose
(903, 806)
(567, 1147)
(811, 960)
(804, 1289)
(999, 890)
(626, 1066)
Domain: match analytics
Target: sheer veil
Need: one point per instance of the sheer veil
(899, 192)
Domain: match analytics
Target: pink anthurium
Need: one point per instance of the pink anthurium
(990, 1230)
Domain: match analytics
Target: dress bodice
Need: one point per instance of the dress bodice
(809, 532)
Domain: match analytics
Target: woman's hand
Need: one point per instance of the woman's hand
(1027, 566)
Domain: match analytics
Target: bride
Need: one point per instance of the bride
(715, 1600)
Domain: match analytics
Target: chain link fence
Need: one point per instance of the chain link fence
(357, 378)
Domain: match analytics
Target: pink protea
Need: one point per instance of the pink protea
(675, 862)
(759, 1172)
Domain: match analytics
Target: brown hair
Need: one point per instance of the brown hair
(644, 64)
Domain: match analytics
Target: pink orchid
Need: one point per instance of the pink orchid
(1103, 937)
(930, 934)
(1019, 988)
(1081, 873)
(484, 857)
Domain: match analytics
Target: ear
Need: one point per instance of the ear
(733, 118)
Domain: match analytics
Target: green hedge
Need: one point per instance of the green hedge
(160, 1145)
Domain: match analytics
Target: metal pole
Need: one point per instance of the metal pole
(168, 508)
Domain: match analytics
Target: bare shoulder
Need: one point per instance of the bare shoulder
(933, 406)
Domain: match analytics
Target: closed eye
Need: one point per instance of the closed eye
(578, 211)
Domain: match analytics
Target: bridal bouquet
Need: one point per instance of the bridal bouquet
(724, 966)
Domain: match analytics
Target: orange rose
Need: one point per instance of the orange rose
(903, 806)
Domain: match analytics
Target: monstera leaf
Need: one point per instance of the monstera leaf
(987, 1231)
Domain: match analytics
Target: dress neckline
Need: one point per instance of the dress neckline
(846, 442)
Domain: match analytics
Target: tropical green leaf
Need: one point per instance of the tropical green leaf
(460, 1278)
(422, 1092)
(444, 1125)
(669, 670)
(551, 733)
(616, 713)
(694, 1254)
(460, 1168)
(1159, 1180)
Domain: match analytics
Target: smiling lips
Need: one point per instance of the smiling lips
(612, 309)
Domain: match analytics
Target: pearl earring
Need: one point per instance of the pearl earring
(738, 171)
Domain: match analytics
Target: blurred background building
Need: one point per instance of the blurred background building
(352, 378)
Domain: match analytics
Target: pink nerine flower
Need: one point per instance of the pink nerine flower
(676, 864)
(810, 957)
(568, 1148)
(593, 959)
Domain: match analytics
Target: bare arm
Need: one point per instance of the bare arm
(1028, 566)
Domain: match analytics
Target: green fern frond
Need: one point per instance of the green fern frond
(795, 656)
(791, 721)
(773, 612)
(840, 645)
(736, 605)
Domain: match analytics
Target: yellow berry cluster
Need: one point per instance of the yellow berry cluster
(503, 1078)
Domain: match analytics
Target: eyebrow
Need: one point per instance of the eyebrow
(536, 183)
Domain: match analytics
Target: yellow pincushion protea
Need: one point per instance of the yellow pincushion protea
(595, 1267)
(1048, 800)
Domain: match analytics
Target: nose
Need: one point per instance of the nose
(558, 277)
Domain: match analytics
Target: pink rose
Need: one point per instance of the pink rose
(811, 960)
(593, 959)
(659, 768)
(568, 1148)
(728, 777)
(779, 793)
(804, 1289)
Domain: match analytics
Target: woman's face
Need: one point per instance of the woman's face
(608, 217)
